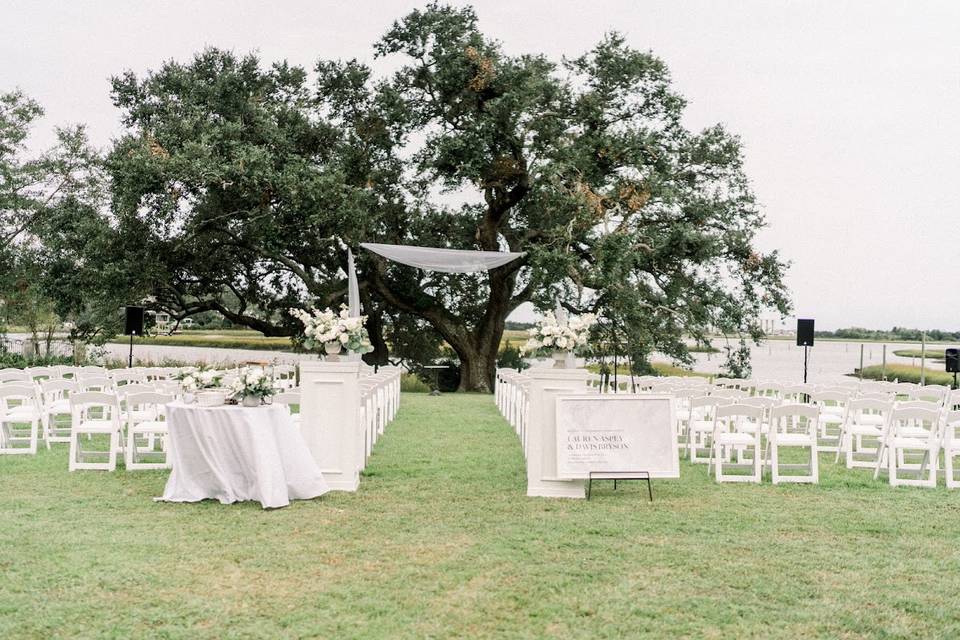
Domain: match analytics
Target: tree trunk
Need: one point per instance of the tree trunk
(477, 371)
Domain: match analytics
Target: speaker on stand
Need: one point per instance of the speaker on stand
(133, 326)
(951, 359)
(805, 340)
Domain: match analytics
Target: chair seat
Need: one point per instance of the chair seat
(21, 413)
(831, 418)
(901, 442)
(830, 410)
(96, 426)
(150, 426)
(913, 432)
(140, 416)
(736, 438)
(751, 427)
(860, 429)
(796, 439)
(701, 426)
(870, 418)
(58, 407)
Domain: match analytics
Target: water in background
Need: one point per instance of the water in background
(782, 360)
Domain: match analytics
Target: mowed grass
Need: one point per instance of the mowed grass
(441, 542)
(906, 373)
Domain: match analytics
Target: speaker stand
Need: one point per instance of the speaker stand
(130, 361)
(805, 350)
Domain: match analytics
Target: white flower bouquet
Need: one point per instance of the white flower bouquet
(321, 328)
(252, 382)
(192, 380)
(550, 335)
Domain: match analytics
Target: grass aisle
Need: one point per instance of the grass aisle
(441, 542)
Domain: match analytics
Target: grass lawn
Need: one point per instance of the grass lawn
(441, 542)
(930, 354)
(905, 373)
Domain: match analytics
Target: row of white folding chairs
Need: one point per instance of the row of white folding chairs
(875, 433)
(896, 428)
(61, 411)
(133, 421)
(511, 395)
(903, 390)
(379, 402)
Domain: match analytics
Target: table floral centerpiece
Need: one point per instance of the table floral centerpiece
(559, 339)
(333, 332)
(252, 386)
(193, 380)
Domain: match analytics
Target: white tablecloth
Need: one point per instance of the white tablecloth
(234, 453)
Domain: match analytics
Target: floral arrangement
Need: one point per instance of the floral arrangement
(252, 381)
(322, 327)
(192, 380)
(548, 334)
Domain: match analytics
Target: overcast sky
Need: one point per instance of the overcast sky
(849, 111)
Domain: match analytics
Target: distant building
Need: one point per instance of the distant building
(773, 324)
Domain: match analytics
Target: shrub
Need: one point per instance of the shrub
(411, 383)
(511, 358)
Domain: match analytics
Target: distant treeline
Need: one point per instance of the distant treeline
(509, 325)
(897, 333)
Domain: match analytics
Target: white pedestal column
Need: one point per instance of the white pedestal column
(545, 386)
(330, 420)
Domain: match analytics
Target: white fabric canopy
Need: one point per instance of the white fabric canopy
(233, 454)
(353, 289)
(445, 260)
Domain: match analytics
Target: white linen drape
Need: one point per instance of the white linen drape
(444, 260)
(353, 289)
(232, 454)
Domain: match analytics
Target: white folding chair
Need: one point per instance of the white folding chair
(95, 413)
(912, 431)
(699, 426)
(290, 399)
(100, 384)
(55, 404)
(863, 432)
(950, 440)
(146, 419)
(833, 409)
(794, 426)
(18, 407)
(14, 375)
(727, 436)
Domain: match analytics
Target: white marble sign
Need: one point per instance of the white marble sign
(616, 433)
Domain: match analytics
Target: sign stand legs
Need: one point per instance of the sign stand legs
(620, 475)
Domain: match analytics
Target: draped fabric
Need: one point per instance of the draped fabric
(445, 260)
(353, 289)
(560, 314)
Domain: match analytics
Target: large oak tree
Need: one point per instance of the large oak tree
(238, 187)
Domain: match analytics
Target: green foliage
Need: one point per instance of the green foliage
(411, 383)
(896, 334)
(511, 358)
(237, 187)
(929, 354)
(10, 360)
(907, 373)
(737, 363)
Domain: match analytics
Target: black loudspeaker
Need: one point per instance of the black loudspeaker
(133, 324)
(952, 360)
(804, 332)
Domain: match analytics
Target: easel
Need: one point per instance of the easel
(619, 475)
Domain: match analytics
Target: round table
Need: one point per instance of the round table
(233, 453)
